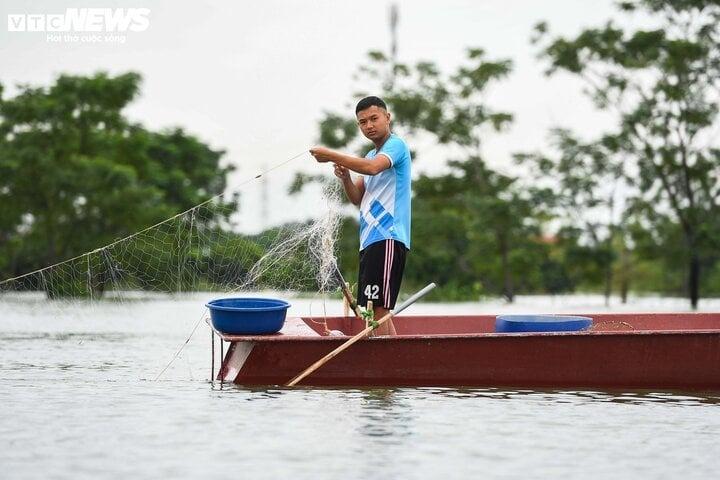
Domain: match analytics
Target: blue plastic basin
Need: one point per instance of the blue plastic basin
(248, 316)
(541, 323)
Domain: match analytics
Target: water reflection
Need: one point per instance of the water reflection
(636, 397)
(384, 407)
(66, 337)
(385, 413)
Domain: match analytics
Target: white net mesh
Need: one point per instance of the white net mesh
(199, 250)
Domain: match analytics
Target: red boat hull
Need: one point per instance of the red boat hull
(668, 351)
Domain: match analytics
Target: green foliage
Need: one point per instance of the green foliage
(337, 131)
(75, 174)
(584, 187)
(477, 231)
(664, 83)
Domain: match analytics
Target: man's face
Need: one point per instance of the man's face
(374, 122)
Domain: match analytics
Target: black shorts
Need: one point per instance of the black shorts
(381, 270)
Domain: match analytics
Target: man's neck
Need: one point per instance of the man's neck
(381, 142)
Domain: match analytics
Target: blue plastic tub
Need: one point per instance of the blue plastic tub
(248, 316)
(541, 323)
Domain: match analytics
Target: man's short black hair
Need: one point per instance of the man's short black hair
(368, 102)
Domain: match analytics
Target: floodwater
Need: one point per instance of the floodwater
(78, 399)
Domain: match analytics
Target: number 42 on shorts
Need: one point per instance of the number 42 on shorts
(371, 292)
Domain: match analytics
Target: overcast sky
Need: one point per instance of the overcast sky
(254, 80)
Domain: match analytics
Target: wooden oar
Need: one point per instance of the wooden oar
(359, 336)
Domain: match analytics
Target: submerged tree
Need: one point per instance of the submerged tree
(664, 84)
(586, 186)
(483, 231)
(75, 174)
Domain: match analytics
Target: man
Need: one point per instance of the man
(382, 191)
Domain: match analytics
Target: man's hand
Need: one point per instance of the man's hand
(322, 154)
(364, 166)
(342, 173)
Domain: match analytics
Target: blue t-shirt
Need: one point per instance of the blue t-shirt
(385, 206)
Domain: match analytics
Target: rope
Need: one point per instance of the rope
(182, 347)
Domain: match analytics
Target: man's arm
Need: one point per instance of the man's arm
(354, 190)
(356, 164)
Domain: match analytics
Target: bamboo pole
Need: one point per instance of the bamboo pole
(347, 294)
(346, 303)
(359, 336)
(369, 308)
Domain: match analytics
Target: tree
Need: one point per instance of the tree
(479, 231)
(664, 85)
(75, 174)
(585, 187)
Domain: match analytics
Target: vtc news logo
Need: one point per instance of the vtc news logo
(82, 20)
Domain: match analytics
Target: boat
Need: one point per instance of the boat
(669, 351)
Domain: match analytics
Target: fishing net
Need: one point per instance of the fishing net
(200, 250)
